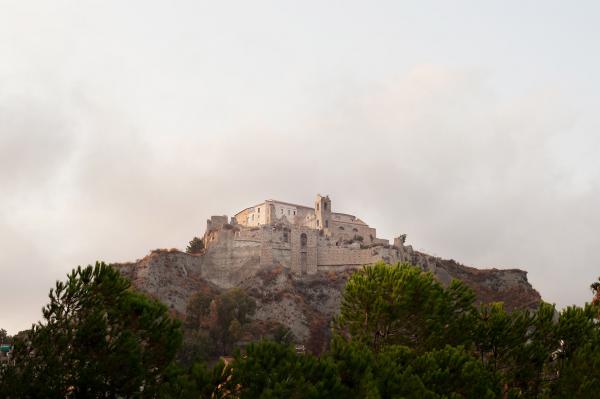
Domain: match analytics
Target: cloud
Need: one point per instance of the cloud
(435, 153)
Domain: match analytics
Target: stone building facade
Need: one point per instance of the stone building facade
(302, 238)
(337, 226)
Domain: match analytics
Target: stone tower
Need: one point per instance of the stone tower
(323, 212)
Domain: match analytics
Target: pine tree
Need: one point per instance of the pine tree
(195, 246)
(99, 339)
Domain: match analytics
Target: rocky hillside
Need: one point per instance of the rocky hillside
(305, 304)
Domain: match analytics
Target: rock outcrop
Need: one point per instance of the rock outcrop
(304, 303)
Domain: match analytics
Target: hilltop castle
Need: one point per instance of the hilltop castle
(292, 260)
(302, 238)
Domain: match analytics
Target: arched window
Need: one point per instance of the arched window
(303, 240)
(285, 236)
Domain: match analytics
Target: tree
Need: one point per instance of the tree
(230, 313)
(270, 370)
(99, 339)
(356, 367)
(4, 337)
(215, 323)
(578, 360)
(197, 381)
(449, 372)
(596, 299)
(195, 246)
(400, 304)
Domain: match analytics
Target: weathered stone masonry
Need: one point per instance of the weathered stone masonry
(303, 239)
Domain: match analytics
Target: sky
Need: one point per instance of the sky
(470, 126)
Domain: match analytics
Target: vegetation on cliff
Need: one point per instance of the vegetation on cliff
(196, 246)
(399, 333)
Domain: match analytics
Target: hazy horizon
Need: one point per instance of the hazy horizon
(470, 127)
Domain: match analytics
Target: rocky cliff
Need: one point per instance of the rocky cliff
(307, 303)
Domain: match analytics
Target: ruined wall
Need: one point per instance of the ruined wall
(347, 231)
(216, 222)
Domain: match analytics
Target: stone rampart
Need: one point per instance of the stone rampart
(343, 256)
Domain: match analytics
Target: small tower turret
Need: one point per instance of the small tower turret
(323, 212)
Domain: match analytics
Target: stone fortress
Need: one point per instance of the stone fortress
(294, 261)
(304, 239)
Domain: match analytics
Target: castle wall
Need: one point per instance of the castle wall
(304, 250)
(216, 222)
(252, 234)
(300, 238)
(346, 231)
(334, 258)
(343, 217)
(228, 260)
(343, 257)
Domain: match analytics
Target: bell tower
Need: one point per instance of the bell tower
(323, 212)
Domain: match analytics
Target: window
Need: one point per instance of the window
(282, 211)
(317, 207)
(303, 240)
(325, 206)
(326, 223)
(252, 217)
(258, 210)
(317, 222)
(294, 213)
(288, 212)
(285, 236)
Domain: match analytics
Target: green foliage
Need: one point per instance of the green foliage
(580, 373)
(578, 360)
(215, 324)
(397, 371)
(99, 339)
(596, 290)
(400, 304)
(451, 372)
(400, 334)
(4, 337)
(195, 246)
(355, 363)
(197, 381)
(270, 370)
(283, 335)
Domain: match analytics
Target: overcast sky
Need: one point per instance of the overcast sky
(471, 126)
